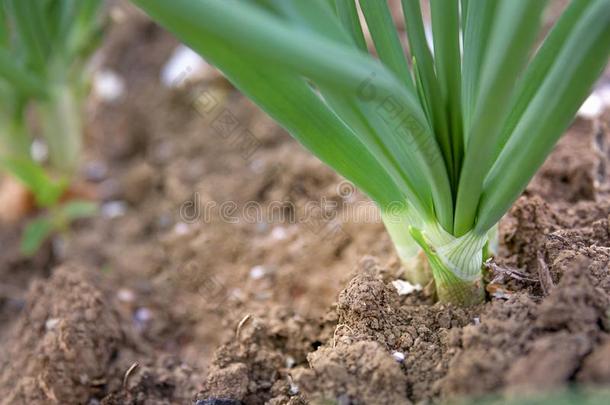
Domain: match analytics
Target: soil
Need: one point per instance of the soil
(229, 266)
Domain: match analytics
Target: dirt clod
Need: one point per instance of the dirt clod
(62, 346)
(362, 373)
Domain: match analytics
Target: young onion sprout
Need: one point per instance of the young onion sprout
(443, 140)
(44, 49)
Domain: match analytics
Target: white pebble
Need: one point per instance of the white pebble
(604, 94)
(257, 272)
(294, 389)
(181, 228)
(279, 233)
(399, 356)
(51, 323)
(404, 287)
(143, 315)
(126, 295)
(108, 85)
(592, 107)
(183, 64)
(290, 361)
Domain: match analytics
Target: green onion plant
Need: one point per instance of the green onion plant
(44, 49)
(444, 139)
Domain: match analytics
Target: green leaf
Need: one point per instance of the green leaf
(479, 21)
(82, 30)
(541, 64)
(46, 191)
(348, 14)
(314, 15)
(35, 233)
(427, 84)
(447, 58)
(567, 84)
(388, 46)
(506, 55)
(77, 209)
(32, 30)
(19, 77)
(4, 35)
(464, 4)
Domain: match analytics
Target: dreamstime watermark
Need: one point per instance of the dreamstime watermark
(226, 125)
(287, 212)
(221, 119)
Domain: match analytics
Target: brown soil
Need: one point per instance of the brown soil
(177, 300)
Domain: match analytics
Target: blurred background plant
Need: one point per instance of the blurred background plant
(45, 46)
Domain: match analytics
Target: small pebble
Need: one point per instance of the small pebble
(181, 66)
(142, 316)
(126, 295)
(592, 107)
(257, 272)
(181, 228)
(290, 361)
(95, 171)
(404, 287)
(117, 14)
(477, 320)
(399, 356)
(604, 94)
(114, 209)
(279, 233)
(108, 85)
(51, 323)
(293, 389)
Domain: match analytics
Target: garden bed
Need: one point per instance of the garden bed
(178, 290)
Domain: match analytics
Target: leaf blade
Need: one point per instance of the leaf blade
(510, 41)
(348, 14)
(580, 62)
(35, 233)
(447, 58)
(380, 24)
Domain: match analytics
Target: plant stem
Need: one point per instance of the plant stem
(417, 270)
(62, 127)
(456, 264)
(453, 290)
